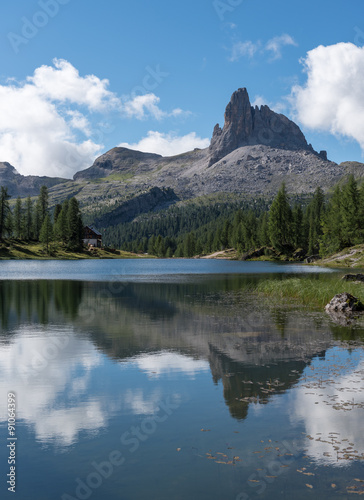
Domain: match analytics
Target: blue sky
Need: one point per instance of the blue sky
(79, 77)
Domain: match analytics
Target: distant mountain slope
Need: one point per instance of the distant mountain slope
(24, 185)
(117, 159)
(255, 151)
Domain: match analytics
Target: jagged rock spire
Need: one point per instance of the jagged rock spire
(247, 125)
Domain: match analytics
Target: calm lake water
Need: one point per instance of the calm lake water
(168, 379)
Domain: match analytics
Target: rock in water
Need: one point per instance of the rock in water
(246, 125)
(344, 303)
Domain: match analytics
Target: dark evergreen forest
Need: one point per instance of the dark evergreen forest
(316, 225)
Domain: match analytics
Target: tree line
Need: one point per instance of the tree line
(32, 221)
(320, 225)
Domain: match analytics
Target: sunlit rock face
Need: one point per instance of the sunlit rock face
(246, 125)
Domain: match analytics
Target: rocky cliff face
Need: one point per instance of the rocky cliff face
(24, 185)
(246, 125)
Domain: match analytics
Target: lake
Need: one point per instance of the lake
(169, 379)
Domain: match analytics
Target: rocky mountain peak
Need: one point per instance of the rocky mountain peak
(117, 160)
(7, 170)
(246, 125)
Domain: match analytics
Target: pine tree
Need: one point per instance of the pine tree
(297, 226)
(332, 239)
(179, 252)
(75, 226)
(61, 232)
(225, 234)
(18, 218)
(280, 221)
(315, 212)
(28, 218)
(189, 245)
(41, 211)
(249, 227)
(57, 211)
(43, 203)
(350, 212)
(9, 224)
(46, 233)
(151, 246)
(263, 230)
(4, 211)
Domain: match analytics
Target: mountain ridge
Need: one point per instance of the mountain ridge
(251, 155)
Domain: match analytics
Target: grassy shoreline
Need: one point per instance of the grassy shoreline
(20, 250)
(307, 291)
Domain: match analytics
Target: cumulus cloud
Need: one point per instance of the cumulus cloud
(143, 105)
(40, 126)
(49, 122)
(62, 82)
(168, 144)
(332, 99)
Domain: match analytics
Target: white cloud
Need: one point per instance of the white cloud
(168, 144)
(143, 105)
(276, 44)
(64, 83)
(39, 125)
(49, 122)
(332, 99)
(241, 49)
(79, 121)
(249, 49)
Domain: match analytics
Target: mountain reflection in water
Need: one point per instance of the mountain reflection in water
(81, 356)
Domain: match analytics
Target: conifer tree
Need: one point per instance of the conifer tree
(297, 227)
(263, 230)
(280, 221)
(46, 233)
(57, 211)
(28, 218)
(75, 226)
(225, 234)
(332, 239)
(61, 224)
(350, 212)
(4, 211)
(18, 218)
(315, 212)
(189, 245)
(41, 211)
